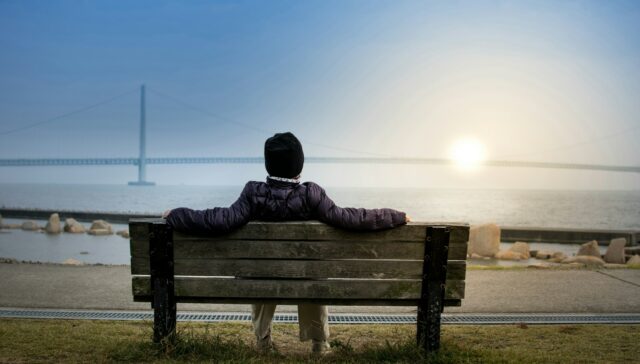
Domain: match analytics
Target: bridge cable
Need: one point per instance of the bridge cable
(576, 144)
(258, 129)
(62, 116)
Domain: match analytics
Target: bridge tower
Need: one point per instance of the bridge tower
(142, 159)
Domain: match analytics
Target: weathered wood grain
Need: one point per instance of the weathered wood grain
(305, 230)
(268, 249)
(298, 289)
(277, 268)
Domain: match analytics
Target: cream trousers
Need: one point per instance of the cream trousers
(313, 321)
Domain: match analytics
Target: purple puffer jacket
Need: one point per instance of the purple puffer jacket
(282, 201)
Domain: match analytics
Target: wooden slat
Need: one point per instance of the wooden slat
(281, 301)
(263, 249)
(312, 230)
(307, 230)
(457, 250)
(276, 268)
(298, 289)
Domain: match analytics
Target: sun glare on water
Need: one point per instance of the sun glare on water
(468, 153)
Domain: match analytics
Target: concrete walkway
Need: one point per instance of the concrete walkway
(518, 291)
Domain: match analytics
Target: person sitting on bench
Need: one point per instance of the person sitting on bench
(284, 198)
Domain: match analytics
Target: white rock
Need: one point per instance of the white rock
(484, 240)
(30, 225)
(100, 232)
(72, 226)
(590, 249)
(100, 227)
(615, 251)
(521, 248)
(53, 225)
(100, 224)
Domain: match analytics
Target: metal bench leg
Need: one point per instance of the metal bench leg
(434, 273)
(162, 282)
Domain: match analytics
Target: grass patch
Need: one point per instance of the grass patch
(24, 340)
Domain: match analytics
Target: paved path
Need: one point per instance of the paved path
(518, 291)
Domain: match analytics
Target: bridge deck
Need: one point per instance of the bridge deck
(339, 160)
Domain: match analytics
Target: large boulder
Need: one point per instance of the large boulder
(615, 251)
(53, 225)
(590, 249)
(30, 225)
(521, 248)
(589, 261)
(100, 227)
(484, 240)
(72, 226)
(634, 261)
(509, 255)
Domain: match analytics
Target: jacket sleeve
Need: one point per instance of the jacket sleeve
(354, 218)
(215, 221)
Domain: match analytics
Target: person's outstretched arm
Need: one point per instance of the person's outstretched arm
(218, 220)
(353, 218)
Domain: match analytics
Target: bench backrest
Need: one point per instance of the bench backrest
(294, 262)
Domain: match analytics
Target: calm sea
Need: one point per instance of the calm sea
(568, 209)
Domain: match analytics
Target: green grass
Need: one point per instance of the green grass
(23, 340)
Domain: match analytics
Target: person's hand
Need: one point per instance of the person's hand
(407, 218)
(166, 213)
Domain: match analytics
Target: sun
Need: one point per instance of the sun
(468, 153)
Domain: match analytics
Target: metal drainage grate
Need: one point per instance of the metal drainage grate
(447, 319)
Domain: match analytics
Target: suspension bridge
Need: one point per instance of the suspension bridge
(141, 161)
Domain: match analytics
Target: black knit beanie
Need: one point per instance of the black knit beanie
(283, 155)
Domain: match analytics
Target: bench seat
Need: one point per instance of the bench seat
(299, 262)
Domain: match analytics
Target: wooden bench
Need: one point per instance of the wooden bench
(418, 264)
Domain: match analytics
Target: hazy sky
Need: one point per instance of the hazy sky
(555, 81)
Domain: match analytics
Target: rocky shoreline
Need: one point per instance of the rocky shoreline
(71, 226)
(68, 262)
(484, 243)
